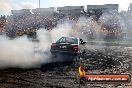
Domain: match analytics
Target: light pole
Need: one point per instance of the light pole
(39, 3)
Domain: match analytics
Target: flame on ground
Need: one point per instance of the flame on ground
(81, 71)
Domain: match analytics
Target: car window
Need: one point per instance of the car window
(68, 40)
(72, 40)
(61, 40)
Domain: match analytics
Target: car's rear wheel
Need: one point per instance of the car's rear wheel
(53, 55)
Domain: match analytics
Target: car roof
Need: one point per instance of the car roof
(70, 37)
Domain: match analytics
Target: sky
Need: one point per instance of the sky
(7, 5)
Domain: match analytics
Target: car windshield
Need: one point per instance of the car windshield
(68, 40)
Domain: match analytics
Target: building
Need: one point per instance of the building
(19, 14)
(71, 10)
(103, 8)
(46, 12)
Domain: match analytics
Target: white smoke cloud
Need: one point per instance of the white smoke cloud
(21, 52)
(62, 30)
(26, 5)
(5, 7)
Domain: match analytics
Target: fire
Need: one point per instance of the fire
(81, 71)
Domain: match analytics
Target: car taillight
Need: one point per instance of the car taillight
(53, 45)
(75, 48)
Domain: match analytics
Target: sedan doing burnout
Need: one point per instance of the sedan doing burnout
(68, 45)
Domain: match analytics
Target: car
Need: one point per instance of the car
(68, 46)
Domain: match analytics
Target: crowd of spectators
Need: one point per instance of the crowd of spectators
(29, 23)
(26, 22)
(20, 24)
